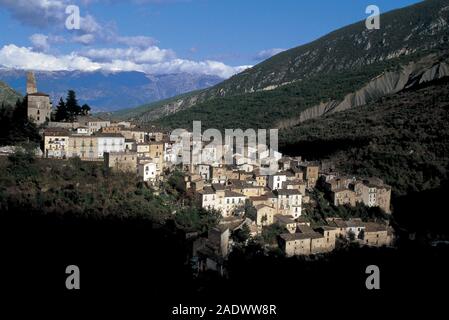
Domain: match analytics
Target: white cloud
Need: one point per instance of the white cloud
(202, 67)
(84, 39)
(42, 42)
(136, 41)
(149, 55)
(36, 12)
(88, 24)
(16, 57)
(268, 53)
(24, 58)
(45, 13)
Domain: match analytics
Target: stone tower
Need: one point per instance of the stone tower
(39, 104)
(31, 83)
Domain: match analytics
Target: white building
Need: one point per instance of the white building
(232, 201)
(289, 202)
(275, 181)
(224, 201)
(110, 142)
(82, 130)
(147, 171)
(204, 171)
(93, 124)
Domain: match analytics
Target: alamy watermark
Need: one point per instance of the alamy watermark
(373, 21)
(73, 21)
(72, 282)
(210, 147)
(373, 280)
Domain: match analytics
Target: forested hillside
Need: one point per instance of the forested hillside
(403, 138)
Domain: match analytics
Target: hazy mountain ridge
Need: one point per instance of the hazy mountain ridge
(107, 91)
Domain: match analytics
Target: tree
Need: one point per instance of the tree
(241, 235)
(270, 233)
(15, 128)
(362, 234)
(85, 109)
(61, 113)
(72, 105)
(351, 235)
(196, 219)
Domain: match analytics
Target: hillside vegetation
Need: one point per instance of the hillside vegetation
(8, 96)
(403, 138)
(268, 109)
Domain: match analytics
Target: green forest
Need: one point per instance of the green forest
(402, 138)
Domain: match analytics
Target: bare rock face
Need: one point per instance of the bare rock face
(425, 70)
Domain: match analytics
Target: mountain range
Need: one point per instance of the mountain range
(107, 91)
(346, 68)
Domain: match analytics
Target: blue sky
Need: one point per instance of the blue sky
(159, 36)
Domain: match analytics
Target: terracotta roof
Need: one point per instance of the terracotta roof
(294, 236)
(374, 227)
(289, 192)
(229, 194)
(207, 190)
(56, 133)
(108, 135)
(285, 219)
(261, 206)
(305, 229)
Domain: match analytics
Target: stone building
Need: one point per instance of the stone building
(293, 244)
(264, 215)
(82, 146)
(373, 193)
(341, 197)
(311, 173)
(375, 234)
(39, 104)
(56, 143)
(121, 161)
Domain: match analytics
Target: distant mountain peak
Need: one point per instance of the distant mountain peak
(108, 91)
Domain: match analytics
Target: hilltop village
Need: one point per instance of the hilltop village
(247, 198)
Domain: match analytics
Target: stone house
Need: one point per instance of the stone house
(121, 161)
(341, 197)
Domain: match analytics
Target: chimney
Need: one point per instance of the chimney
(31, 83)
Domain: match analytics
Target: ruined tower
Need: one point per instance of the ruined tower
(39, 104)
(31, 83)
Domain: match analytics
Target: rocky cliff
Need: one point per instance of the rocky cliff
(427, 69)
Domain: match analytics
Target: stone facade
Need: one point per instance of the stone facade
(38, 104)
(121, 161)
